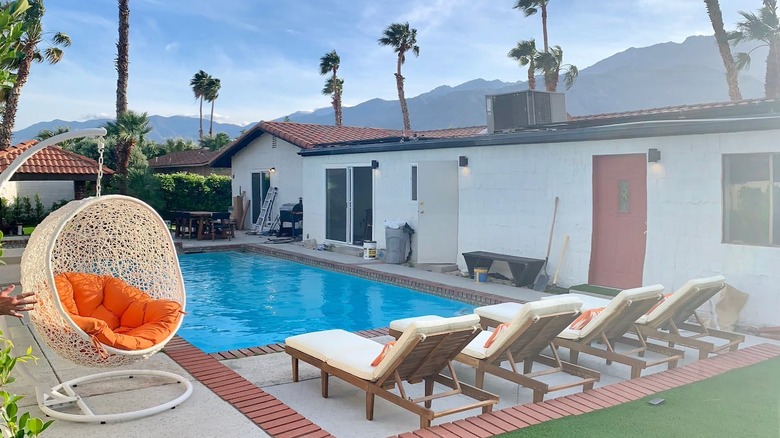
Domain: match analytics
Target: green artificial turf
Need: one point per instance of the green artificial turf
(740, 403)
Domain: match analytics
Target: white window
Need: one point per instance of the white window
(751, 199)
(414, 182)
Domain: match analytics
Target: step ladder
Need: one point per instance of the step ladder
(272, 228)
(265, 213)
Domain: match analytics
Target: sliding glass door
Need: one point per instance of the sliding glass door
(348, 204)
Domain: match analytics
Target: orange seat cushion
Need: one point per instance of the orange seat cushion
(115, 313)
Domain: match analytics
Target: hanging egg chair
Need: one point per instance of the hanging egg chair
(120, 246)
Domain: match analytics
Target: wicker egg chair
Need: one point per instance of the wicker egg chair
(112, 235)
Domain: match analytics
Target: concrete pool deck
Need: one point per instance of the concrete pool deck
(260, 390)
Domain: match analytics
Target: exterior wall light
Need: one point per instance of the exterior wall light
(272, 170)
(653, 155)
(463, 161)
(374, 164)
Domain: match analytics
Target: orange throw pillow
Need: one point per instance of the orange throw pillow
(663, 298)
(585, 318)
(383, 353)
(495, 333)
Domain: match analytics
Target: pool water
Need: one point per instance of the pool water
(240, 300)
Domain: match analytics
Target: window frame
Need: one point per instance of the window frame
(726, 237)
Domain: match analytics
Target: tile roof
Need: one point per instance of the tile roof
(452, 132)
(306, 135)
(190, 158)
(50, 160)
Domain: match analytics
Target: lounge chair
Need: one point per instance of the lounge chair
(611, 325)
(670, 321)
(420, 354)
(531, 329)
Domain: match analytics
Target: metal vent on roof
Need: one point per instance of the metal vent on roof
(507, 112)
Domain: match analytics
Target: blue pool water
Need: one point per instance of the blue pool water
(239, 300)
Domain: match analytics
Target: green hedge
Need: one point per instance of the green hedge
(182, 191)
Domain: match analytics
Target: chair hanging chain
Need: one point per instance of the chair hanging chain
(101, 148)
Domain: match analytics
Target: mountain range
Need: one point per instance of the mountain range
(665, 74)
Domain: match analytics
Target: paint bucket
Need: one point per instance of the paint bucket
(480, 275)
(369, 249)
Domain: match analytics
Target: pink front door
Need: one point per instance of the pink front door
(619, 220)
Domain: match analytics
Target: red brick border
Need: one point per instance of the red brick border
(518, 417)
(266, 411)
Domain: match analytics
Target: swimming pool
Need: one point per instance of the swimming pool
(240, 300)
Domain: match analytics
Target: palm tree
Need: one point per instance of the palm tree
(12, 30)
(198, 84)
(48, 133)
(333, 87)
(122, 56)
(210, 94)
(531, 7)
(525, 53)
(129, 129)
(721, 37)
(762, 27)
(552, 63)
(402, 39)
(28, 46)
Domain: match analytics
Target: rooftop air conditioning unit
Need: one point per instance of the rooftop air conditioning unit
(510, 111)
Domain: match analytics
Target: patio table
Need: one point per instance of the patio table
(201, 216)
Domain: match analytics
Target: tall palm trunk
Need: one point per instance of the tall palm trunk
(200, 129)
(122, 57)
(336, 98)
(531, 75)
(716, 18)
(772, 80)
(399, 81)
(339, 111)
(544, 26)
(211, 120)
(12, 100)
(547, 74)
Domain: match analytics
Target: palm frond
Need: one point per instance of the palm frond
(61, 39)
(742, 61)
(52, 55)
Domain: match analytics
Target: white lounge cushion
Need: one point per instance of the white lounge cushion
(688, 291)
(499, 312)
(358, 362)
(401, 324)
(599, 323)
(527, 312)
(329, 343)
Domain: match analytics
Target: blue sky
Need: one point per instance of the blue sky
(267, 53)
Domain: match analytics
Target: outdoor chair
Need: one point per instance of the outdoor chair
(530, 330)
(423, 350)
(609, 328)
(671, 321)
(185, 224)
(221, 225)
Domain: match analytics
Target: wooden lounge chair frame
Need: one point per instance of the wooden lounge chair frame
(421, 360)
(525, 345)
(668, 327)
(613, 330)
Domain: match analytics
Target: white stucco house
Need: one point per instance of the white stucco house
(656, 196)
(267, 155)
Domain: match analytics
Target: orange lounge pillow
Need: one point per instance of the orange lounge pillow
(664, 297)
(585, 318)
(495, 333)
(383, 353)
(114, 313)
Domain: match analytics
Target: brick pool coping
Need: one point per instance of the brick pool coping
(279, 420)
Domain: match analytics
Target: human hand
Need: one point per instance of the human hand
(12, 305)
